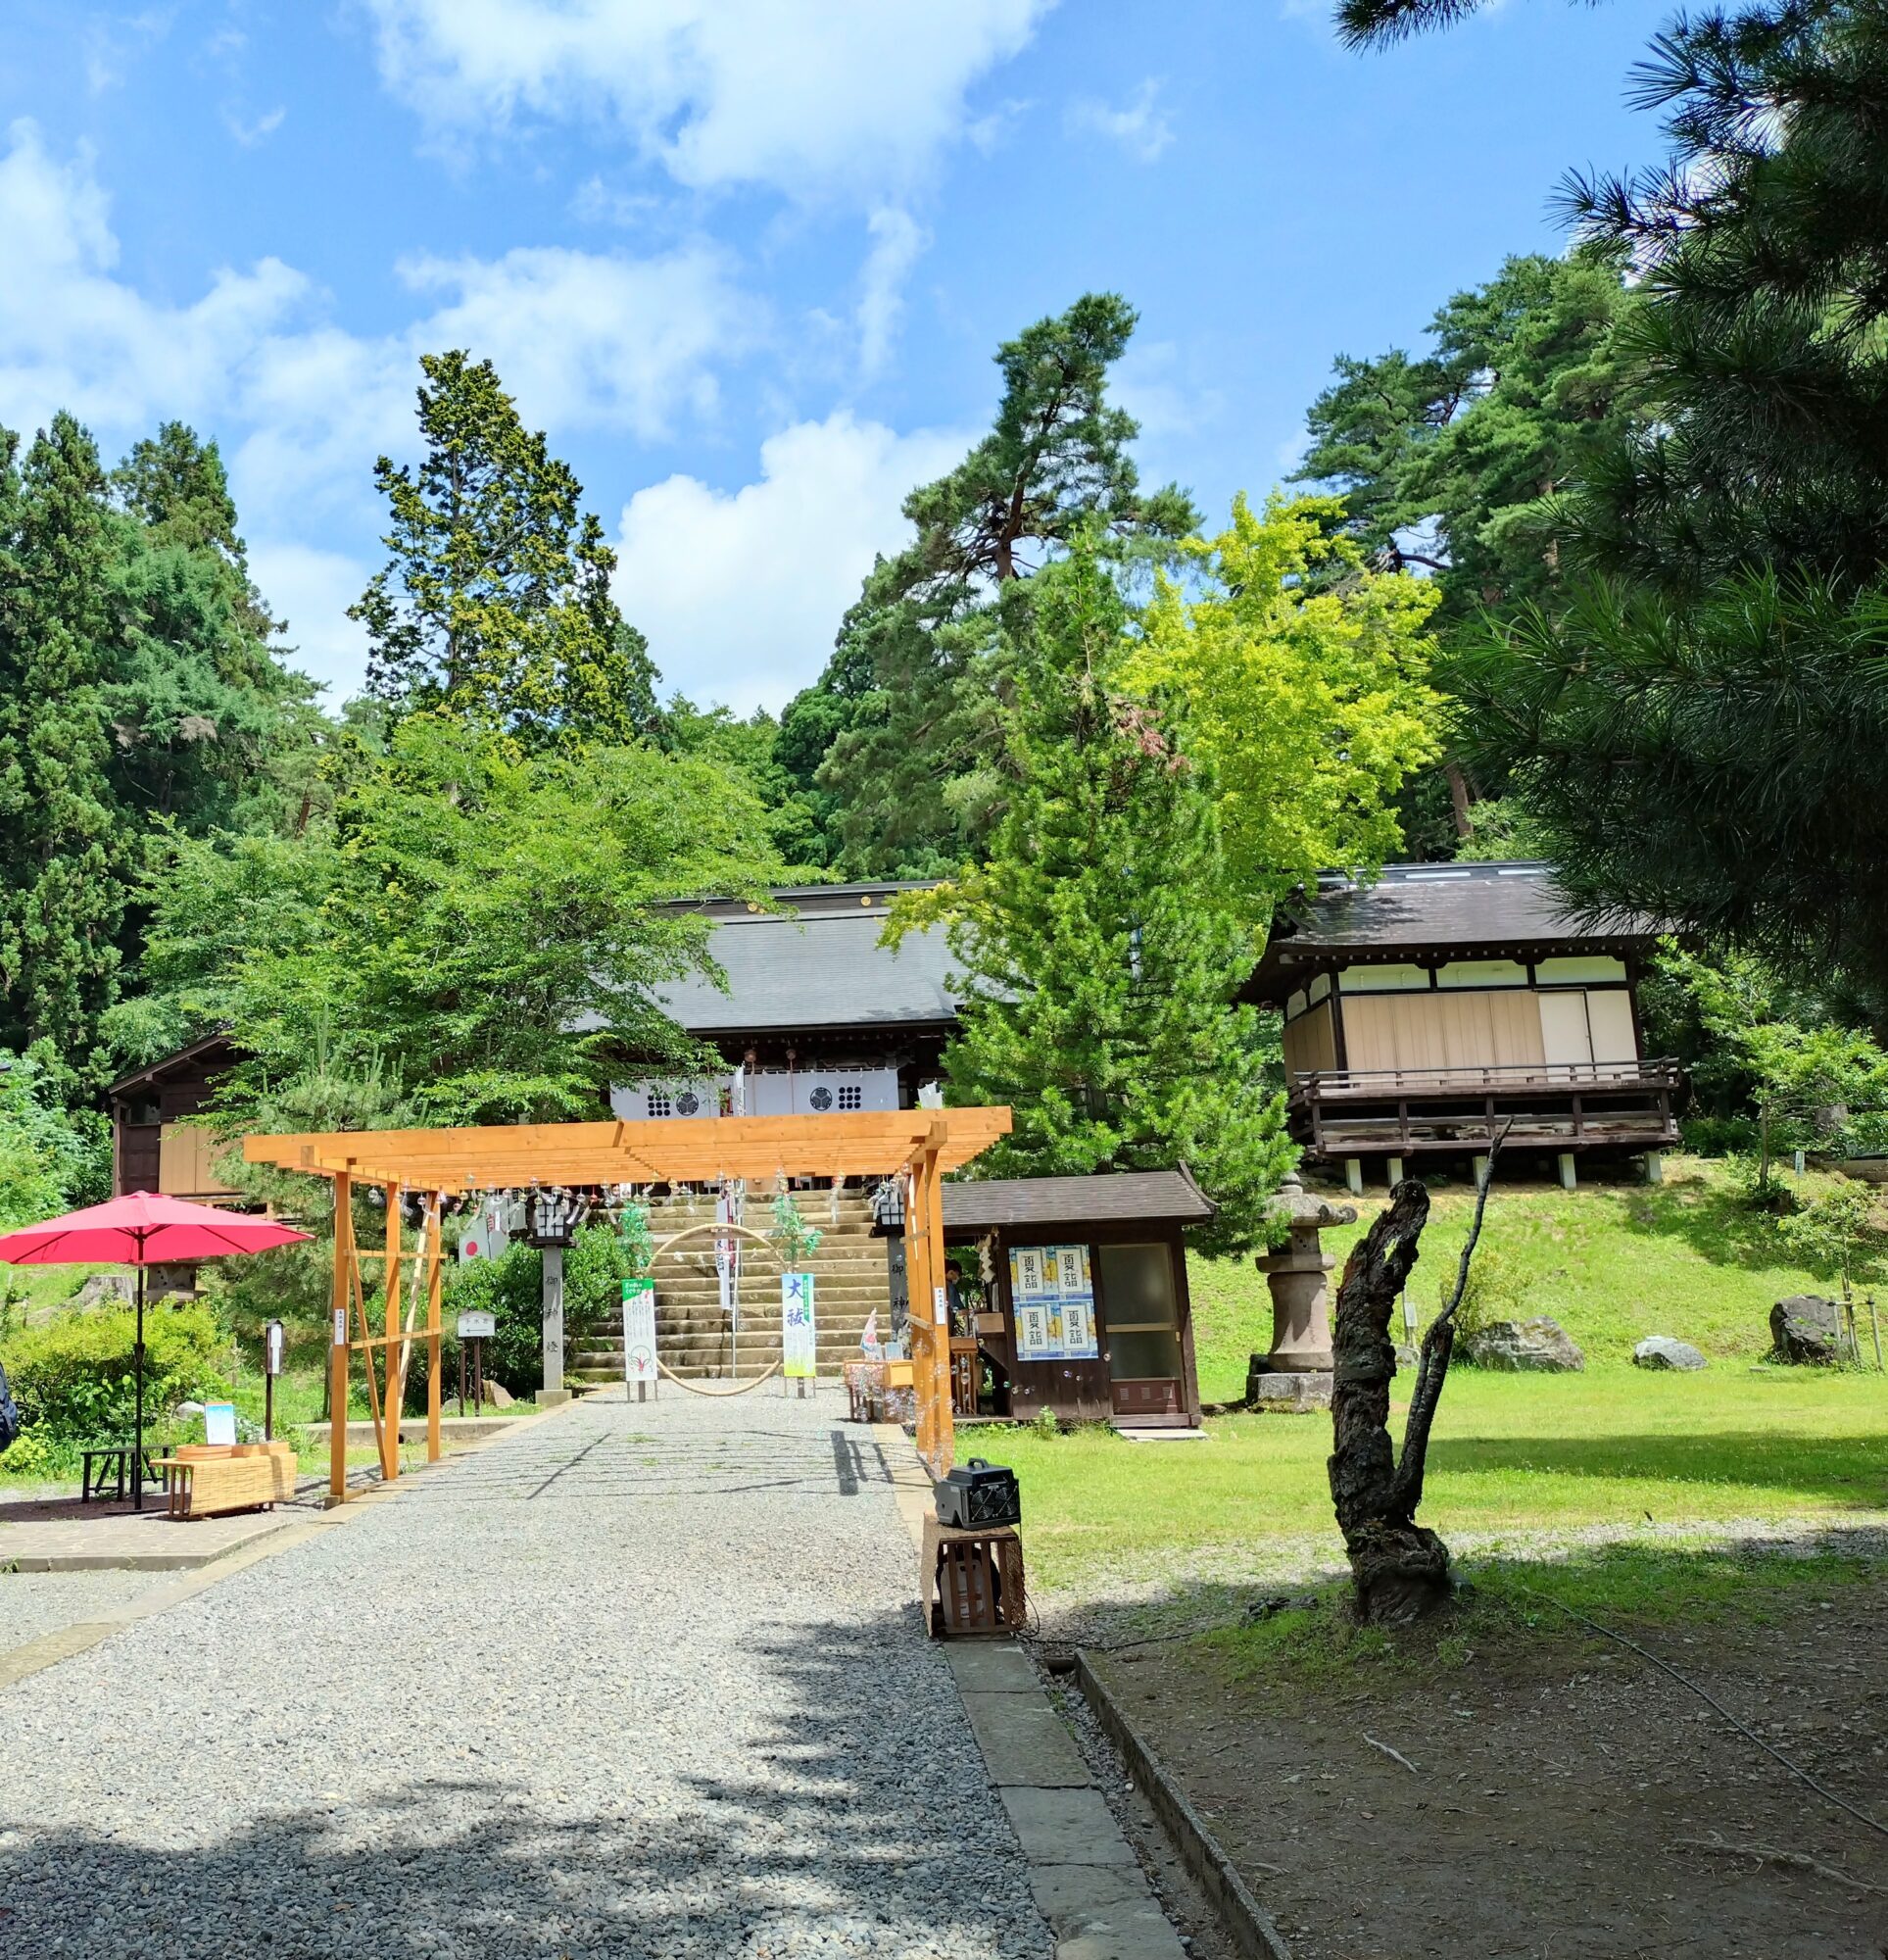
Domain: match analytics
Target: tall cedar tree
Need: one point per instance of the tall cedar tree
(1102, 956)
(899, 729)
(137, 692)
(1704, 730)
(67, 851)
(495, 604)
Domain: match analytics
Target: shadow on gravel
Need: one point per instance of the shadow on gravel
(861, 1825)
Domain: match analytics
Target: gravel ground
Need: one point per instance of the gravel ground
(635, 1680)
(32, 1603)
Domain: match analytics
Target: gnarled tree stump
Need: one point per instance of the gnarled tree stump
(1399, 1568)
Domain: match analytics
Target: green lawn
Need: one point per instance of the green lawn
(1511, 1455)
(1612, 1263)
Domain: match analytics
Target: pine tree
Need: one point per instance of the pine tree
(495, 604)
(910, 691)
(1703, 729)
(1102, 954)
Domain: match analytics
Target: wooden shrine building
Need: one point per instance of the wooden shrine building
(1426, 1011)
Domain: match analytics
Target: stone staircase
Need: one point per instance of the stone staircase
(692, 1333)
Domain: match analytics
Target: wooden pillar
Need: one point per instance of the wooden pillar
(433, 1282)
(390, 1363)
(341, 1300)
(918, 1320)
(944, 1431)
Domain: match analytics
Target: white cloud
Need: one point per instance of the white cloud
(311, 590)
(741, 593)
(809, 96)
(305, 407)
(897, 243)
(618, 341)
(1150, 383)
(259, 130)
(73, 336)
(1138, 126)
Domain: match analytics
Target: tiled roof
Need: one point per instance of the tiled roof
(1459, 909)
(820, 970)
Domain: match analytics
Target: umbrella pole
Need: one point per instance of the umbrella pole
(137, 1371)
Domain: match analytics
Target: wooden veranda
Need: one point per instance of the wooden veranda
(919, 1145)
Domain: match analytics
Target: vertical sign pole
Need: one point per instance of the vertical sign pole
(553, 1390)
(390, 1395)
(338, 1351)
(433, 1354)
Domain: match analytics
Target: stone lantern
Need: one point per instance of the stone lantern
(1296, 1373)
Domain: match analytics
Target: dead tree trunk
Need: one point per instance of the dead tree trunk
(1399, 1568)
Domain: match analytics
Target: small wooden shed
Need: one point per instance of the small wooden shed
(1083, 1284)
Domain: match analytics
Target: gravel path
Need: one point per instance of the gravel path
(32, 1603)
(634, 1681)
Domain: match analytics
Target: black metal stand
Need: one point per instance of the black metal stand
(138, 1369)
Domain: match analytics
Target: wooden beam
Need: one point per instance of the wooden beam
(340, 1294)
(390, 1367)
(434, 1281)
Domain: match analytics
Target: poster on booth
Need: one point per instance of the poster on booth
(798, 1343)
(1054, 1298)
(639, 1332)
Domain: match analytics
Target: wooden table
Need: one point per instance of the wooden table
(114, 1461)
(971, 1582)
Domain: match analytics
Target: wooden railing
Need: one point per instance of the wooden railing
(1351, 1112)
(1484, 1079)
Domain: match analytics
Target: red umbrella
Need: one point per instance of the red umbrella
(142, 1229)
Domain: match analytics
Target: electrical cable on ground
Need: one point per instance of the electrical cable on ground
(1742, 1729)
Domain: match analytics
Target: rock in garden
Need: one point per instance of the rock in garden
(112, 1287)
(1660, 1351)
(1540, 1345)
(1298, 1393)
(1807, 1329)
(497, 1395)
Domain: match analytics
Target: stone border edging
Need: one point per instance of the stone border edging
(1248, 1923)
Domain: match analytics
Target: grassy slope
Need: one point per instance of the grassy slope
(1509, 1454)
(1612, 1263)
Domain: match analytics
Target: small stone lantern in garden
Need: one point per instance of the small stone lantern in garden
(1296, 1373)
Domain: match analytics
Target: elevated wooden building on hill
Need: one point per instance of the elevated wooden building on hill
(1426, 1013)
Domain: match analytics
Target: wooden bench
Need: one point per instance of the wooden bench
(207, 1479)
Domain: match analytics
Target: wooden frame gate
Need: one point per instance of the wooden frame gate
(919, 1145)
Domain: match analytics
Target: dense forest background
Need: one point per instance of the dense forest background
(1594, 571)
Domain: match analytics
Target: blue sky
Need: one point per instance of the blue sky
(746, 261)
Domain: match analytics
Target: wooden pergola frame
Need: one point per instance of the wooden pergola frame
(922, 1145)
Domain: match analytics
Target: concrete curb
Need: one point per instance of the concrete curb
(1248, 1923)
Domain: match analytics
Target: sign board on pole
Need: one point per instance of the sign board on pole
(272, 1340)
(477, 1326)
(1053, 1296)
(798, 1343)
(639, 1332)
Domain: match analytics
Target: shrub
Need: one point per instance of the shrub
(1497, 1290)
(1718, 1136)
(72, 1377)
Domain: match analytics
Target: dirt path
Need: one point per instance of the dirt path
(1568, 1802)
